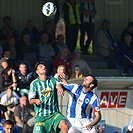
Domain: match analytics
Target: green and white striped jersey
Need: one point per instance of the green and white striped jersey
(45, 91)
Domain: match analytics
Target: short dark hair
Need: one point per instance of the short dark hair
(8, 122)
(95, 82)
(6, 17)
(38, 63)
(9, 87)
(130, 24)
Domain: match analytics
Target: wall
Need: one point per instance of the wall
(22, 10)
(119, 14)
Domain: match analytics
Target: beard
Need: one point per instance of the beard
(86, 85)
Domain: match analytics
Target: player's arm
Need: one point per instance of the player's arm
(96, 119)
(65, 87)
(32, 95)
(35, 101)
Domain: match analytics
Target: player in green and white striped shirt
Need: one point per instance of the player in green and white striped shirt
(43, 94)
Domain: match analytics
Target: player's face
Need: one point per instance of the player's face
(41, 69)
(87, 81)
(8, 128)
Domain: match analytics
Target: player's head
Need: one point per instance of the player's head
(90, 82)
(8, 126)
(40, 68)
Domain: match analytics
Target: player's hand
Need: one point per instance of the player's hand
(60, 90)
(89, 127)
(37, 101)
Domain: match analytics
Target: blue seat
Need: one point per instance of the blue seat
(124, 129)
(109, 129)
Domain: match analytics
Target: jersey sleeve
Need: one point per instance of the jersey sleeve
(32, 92)
(71, 87)
(96, 104)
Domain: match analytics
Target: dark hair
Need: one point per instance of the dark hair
(130, 24)
(104, 21)
(9, 87)
(5, 71)
(38, 63)
(60, 35)
(128, 131)
(8, 122)
(6, 17)
(77, 66)
(95, 82)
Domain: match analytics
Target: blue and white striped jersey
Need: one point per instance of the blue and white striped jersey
(80, 104)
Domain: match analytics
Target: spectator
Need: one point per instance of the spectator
(85, 69)
(48, 28)
(32, 30)
(126, 50)
(45, 52)
(82, 100)
(8, 78)
(63, 59)
(43, 94)
(59, 44)
(107, 45)
(7, 30)
(61, 73)
(24, 116)
(71, 14)
(24, 79)
(129, 30)
(2, 42)
(77, 72)
(6, 61)
(11, 46)
(3, 61)
(3, 113)
(10, 101)
(27, 50)
(9, 127)
(100, 129)
(88, 12)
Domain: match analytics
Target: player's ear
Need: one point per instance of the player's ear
(36, 71)
(91, 85)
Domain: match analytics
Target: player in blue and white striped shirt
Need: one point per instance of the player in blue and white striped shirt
(82, 100)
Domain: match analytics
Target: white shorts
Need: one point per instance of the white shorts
(79, 125)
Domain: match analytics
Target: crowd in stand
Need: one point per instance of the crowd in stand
(20, 53)
(18, 56)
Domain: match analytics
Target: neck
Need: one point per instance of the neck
(23, 73)
(43, 77)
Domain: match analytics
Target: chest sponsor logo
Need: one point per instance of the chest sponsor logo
(46, 92)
